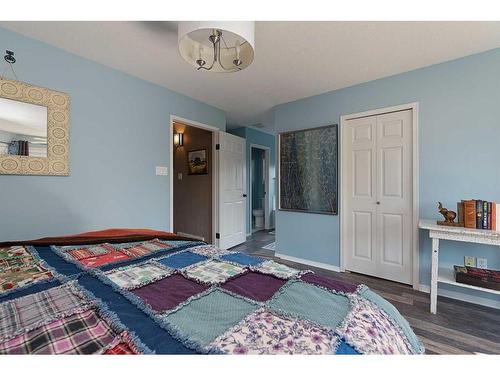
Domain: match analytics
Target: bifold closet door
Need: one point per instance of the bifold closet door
(377, 229)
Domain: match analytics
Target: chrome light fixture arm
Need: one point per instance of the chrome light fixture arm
(215, 39)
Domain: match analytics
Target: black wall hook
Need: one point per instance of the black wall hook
(9, 57)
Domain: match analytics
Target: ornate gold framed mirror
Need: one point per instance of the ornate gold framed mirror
(34, 130)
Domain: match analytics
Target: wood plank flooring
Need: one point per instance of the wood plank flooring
(458, 327)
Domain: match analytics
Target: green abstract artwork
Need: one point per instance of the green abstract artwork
(308, 170)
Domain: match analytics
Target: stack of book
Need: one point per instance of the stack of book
(479, 214)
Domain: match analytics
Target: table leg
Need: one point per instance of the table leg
(434, 274)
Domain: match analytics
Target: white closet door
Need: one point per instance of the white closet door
(378, 192)
(232, 190)
(360, 152)
(394, 188)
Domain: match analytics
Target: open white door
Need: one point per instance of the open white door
(232, 190)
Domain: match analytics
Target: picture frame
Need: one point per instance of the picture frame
(198, 161)
(308, 162)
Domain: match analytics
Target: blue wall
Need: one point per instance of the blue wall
(119, 133)
(459, 121)
(257, 177)
(257, 137)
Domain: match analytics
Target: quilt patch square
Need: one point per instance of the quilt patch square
(25, 312)
(101, 260)
(22, 275)
(14, 252)
(81, 333)
(277, 269)
(90, 251)
(182, 260)
(243, 259)
(208, 250)
(254, 285)
(134, 276)
(309, 302)
(329, 283)
(19, 268)
(122, 345)
(144, 248)
(266, 333)
(370, 331)
(212, 271)
(168, 293)
(205, 318)
(394, 314)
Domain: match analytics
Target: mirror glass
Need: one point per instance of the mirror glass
(23, 128)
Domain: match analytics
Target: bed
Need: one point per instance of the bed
(123, 291)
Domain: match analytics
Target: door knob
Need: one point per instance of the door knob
(378, 202)
(244, 195)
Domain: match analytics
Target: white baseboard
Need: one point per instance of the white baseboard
(308, 262)
(462, 297)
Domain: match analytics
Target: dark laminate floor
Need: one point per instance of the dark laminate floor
(457, 328)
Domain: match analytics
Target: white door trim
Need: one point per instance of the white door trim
(415, 181)
(267, 152)
(215, 169)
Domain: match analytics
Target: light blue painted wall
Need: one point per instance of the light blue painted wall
(257, 137)
(119, 133)
(459, 121)
(257, 177)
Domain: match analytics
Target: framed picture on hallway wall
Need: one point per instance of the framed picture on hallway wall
(308, 170)
(198, 161)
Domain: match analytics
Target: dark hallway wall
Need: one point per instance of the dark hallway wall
(192, 193)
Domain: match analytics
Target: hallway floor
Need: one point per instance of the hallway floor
(458, 327)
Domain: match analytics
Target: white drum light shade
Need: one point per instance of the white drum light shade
(237, 42)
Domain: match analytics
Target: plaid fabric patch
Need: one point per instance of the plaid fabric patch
(19, 268)
(122, 345)
(212, 271)
(81, 333)
(101, 260)
(145, 248)
(91, 251)
(30, 311)
(131, 277)
(277, 269)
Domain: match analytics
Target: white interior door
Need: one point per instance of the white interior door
(232, 190)
(377, 189)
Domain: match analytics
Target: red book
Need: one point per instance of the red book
(493, 216)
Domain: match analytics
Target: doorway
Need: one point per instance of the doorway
(259, 188)
(193, 197)
(379, 193)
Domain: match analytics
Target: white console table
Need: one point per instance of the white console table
(446, 276)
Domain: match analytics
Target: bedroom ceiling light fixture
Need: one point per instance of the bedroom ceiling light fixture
(217, 46)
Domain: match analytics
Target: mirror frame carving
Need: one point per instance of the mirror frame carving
(57, 103)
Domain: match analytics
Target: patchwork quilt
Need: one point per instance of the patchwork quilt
(164, 294)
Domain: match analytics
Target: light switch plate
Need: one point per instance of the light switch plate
(161, 171)
(469, 261)
(482, 263)
(179, 176)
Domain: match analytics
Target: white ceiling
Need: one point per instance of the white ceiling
(293, 60)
